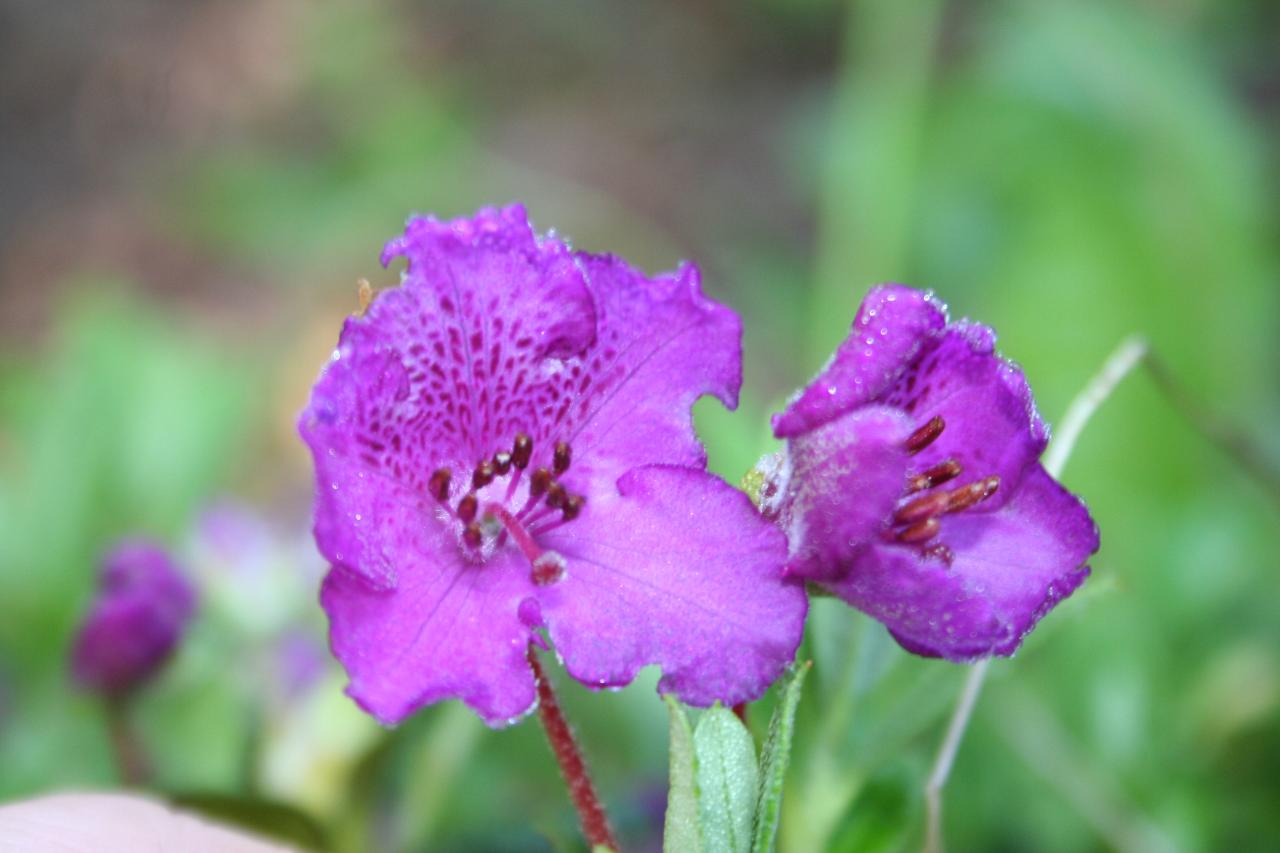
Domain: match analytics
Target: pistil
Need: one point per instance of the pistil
(518, 532)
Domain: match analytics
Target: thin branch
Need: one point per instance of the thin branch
(1121, 362)
(947, 755)
(1216, 430)
(1126, 356)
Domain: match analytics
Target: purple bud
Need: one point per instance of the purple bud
(134, 623)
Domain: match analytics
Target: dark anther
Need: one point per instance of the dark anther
(560, 462)
(556, 496)
(467, 508)
(573, 507)
(972, 494)
(438, 483)
(501, 463)
(921, 531)
(937, 475)
(471, 535)
(482, 476)
(926, 435)
(521, 451)
(939, 551)
(924, 507)
(539, 482)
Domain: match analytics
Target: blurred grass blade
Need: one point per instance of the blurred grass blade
(680, 831)
(436, 760)
(727, 780)
(276, 820)
(775, 758)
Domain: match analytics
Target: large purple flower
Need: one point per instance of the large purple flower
(135, 622)
(911, 485)
(503, 444)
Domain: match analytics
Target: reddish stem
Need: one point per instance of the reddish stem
(131, 759)
(741, 711)
(595, 824)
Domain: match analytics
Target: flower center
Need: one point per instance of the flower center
(917, 519)
(484, 524)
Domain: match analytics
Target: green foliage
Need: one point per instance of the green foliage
(775, 758)
(682, 830)
(728, 780)
(718, 797)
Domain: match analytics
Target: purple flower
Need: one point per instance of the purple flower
(911, 485)
(503, 444)
(135, 622)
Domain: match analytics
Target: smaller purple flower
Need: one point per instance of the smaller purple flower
(135, 622)
(911, 485)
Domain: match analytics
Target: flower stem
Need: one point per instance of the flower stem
(130, 757)
(595, 824)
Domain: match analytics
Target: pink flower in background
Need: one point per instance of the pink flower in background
(911, 486)
(504, 444)
(142, 606)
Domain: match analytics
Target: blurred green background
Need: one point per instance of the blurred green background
(190, 191)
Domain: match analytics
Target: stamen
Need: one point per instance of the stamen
(921, 531)
(561, 459)
(534, 513)
(438, 483)
(539, 482)
(939, 551)
(971, 494)
(502, 463)
(471, 534)
(941, 503)
(935, 476)
(925, 436)
(924, 507)
(521, 451)
(573, 507)
(556, 496)
(483, 475)
(467, 508)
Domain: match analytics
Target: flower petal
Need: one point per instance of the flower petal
(440, 372)
(446, 368)
(449, 629)
(1011, 567)
(841, 482)
(677, 568)
(661, 344)
(992, 426)
(891, 325)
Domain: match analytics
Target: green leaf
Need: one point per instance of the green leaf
(775, 757)
(681, 832)
(725, 769)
